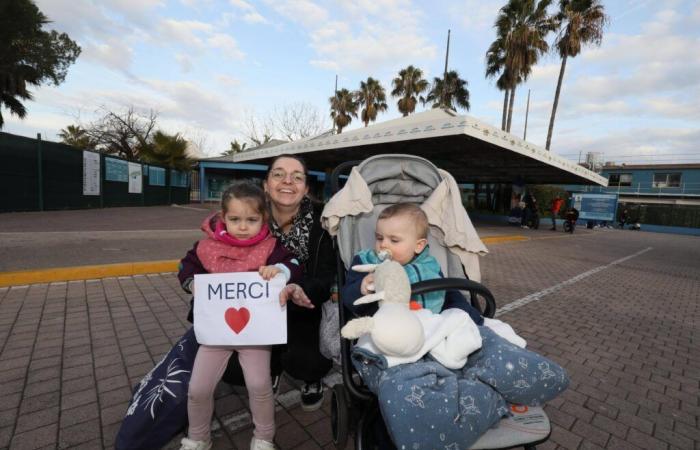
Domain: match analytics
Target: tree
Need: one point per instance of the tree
(521, 31)
(166, 150)
(451, 92)
(495, 65)
(76, 136)
(236, 147)
(298, 121)
(409, 85)
(29, 56)
(580, 22)
(123, 134)
(343, 108)
(372, 96)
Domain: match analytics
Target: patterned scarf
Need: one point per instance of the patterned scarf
(422, 267)
(297, 239)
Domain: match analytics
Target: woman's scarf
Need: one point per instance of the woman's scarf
(422, 267)
(298, 237)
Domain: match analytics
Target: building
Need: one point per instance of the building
(656, 195)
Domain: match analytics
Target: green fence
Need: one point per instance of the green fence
(37, 175)
(667, 215)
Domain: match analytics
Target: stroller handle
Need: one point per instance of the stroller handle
(461, 284)
(339, 170)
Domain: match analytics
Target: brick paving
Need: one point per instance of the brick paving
(627, 332)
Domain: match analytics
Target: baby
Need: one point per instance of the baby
(401, 233)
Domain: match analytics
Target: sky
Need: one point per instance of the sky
(208, 66)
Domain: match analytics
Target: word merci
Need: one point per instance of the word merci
(238, 291)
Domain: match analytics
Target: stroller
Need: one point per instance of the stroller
(396, 179)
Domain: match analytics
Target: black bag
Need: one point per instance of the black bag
(158, 408)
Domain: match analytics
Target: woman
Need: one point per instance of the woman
(296, 222)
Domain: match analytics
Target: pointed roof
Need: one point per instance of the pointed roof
(471, 150)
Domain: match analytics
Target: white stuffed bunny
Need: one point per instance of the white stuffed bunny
(395, 330)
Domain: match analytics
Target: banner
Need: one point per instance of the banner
(595, 206)
(135, 178)
(91, 173)
(239, 309)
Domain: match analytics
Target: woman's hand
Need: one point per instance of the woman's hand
(367, 285)
(267, 272)
(296, 294)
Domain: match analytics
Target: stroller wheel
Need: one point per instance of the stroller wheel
(340, 413)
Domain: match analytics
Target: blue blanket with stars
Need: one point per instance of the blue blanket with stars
(426, 405)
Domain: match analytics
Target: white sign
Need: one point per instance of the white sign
(91, 173)
(135, 184)
(239, 309)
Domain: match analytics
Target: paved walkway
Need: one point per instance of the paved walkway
(619, 309)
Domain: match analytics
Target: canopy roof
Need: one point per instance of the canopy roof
(471, 150)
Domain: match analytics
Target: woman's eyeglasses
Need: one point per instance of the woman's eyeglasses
(280, 175)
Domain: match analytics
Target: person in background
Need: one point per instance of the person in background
(554, 209)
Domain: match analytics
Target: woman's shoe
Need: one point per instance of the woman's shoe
(259, 444)
(189, 444)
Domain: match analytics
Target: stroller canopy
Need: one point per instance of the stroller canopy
(385, 180)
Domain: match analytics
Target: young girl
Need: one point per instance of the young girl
(238, 240)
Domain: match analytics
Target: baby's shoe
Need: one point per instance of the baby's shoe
(259, 444)
(189, 444)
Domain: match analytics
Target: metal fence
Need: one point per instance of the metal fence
(38, 175)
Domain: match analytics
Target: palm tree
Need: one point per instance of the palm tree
(168, 150)
(451, 92)
(495, 64)
(371, 95)
(581, 22)
(76, 136)
(343, 108)
(521, 29)
(409, 85)
(236, 147)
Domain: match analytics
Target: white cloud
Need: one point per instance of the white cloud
(186, 32)
(364, 35)
(305, 12)
(226, 44)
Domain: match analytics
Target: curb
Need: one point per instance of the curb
(25, 277)
(501, 239)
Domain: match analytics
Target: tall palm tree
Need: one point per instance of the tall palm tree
(167, 149)
(581, 22)
(521, 28)
(343, 108)
(451, 92)
(76, 136)
(373, 99)
(495, 65)
(409, 85)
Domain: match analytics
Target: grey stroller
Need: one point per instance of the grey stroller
(396, 179)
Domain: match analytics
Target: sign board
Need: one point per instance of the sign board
(91, 173)
(239, 309)
(595, 206)
(116, 170)
(135, 178)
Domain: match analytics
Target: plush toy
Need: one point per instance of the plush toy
(395, 330)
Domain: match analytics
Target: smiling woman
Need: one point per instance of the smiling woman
(295, 222)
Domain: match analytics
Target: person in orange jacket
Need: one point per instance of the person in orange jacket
(554, 209)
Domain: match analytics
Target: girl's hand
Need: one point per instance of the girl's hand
(296, 294)
(367, 285)
(267, 272)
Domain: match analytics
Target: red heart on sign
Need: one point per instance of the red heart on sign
(237, 319)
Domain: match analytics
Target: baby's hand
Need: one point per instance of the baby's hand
(268, 272)
(367, 285)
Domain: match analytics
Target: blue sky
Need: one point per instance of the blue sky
(209, 66)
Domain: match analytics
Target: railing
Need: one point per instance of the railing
(648, 189)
